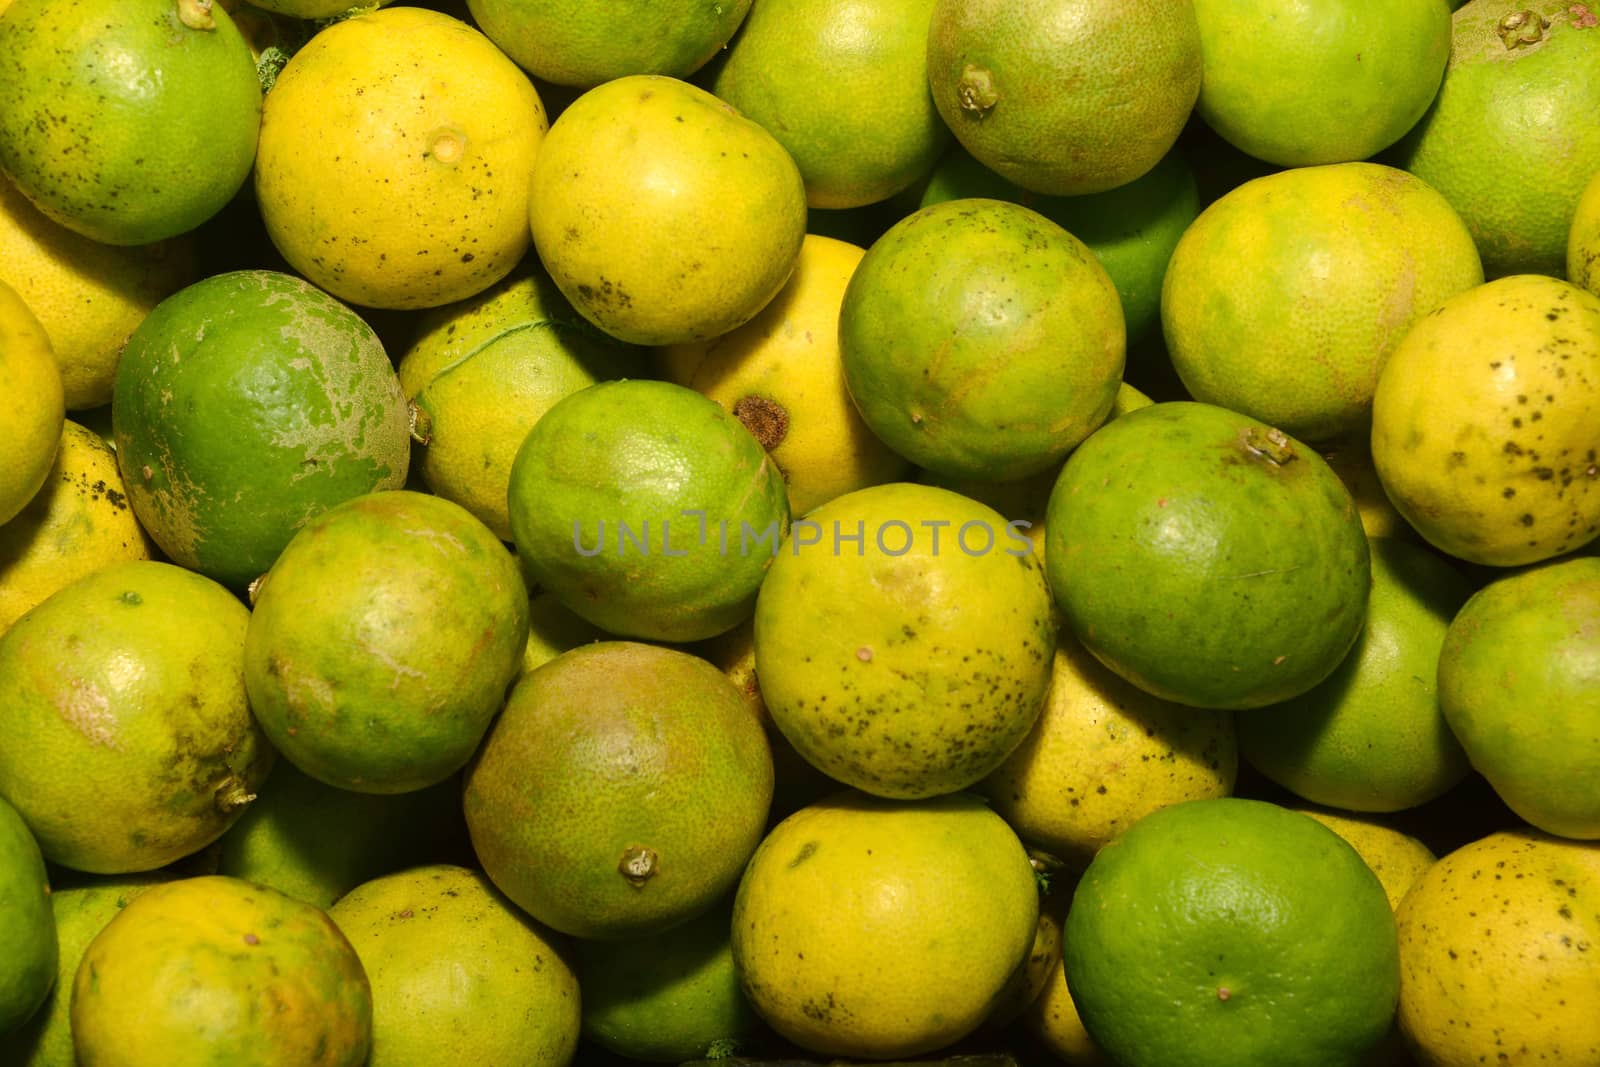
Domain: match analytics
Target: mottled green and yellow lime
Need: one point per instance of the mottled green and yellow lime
(1398, 859)
(1284, 299)
(435, 610)
(1486, 422)
(1352, 462)
(981, 340)
(458, 974)
(97, 106)
(1372, 737)
(1311, 84)
(781, 375)
(663, 214)
(395, 153)
(553, 628)
(245, 405)
(211, 970)
(483, 371)
(912, 661)
(1275, 942)
(1504, 140)
(28, 939)
(1103, 755)
(943, 880)
(996, 70)
(621, 790)
(128, 686)
(843, 86)
(648, 509)
(88, 296)
(576, 43)
(1497, 954)
(1519, 684)
(77, 523)
(1583, 239)
(30, 422)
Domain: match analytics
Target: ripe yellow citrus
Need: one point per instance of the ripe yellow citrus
(1583, 240)
(30, 421)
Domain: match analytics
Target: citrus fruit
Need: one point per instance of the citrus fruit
(310, 9)
(570, 42)
(1286, 296)
(383, 639)
(245, 404)
(1351, 460)
(981, 340)
(34, 412)
(1519, 684)
(1486, 422)
(88, 296)
(216, 970)
(647, 509)
(97, 101)
(781, 375)
(1499, 141)
(663, 214)
(1497, 954)
(621, 790)
(903, 639)
(482, 372)
(1027, 982)
(997, 71)
(843, 85)
(1583, 240)
(416, 191)
(28, 940)
(458, 974)
(1206, 557)
(1371, 736)
(667, 998)
(1104, 754)
(1398, 859)
(1235, 932)
(77, 523)
(127, 686)
(1329, 82)
(883, 929)
(1131, 229)
(553, 628)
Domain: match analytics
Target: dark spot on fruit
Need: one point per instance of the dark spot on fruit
(767, 420)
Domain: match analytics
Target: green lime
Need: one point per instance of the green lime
(28, 939)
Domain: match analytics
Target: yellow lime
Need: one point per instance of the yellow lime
(30, 422)
(1583, 240)
(1398, 859)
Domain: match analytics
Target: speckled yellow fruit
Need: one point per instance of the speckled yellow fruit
(211, 970)
(1398, 859)
(88, 296)
(394, 159)
(883, 929)
(1027, 983)
(1583, 240)
(663, 214)
(79, 522)
(1486, 422)
(781, 376)
(1500, 954)
(1053, 1019)
(458, 974)
(31, 417)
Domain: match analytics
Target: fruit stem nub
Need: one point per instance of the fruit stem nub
(976, 91)
(1522, 27)
(638, 864)
(196, 14)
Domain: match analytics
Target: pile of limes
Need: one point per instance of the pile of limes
(1048, 531)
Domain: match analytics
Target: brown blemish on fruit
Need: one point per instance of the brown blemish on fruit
(1224, 993)
(1521, 28)
(976, 92)
(638, 865)
(767, 420)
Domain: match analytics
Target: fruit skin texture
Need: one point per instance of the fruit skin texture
(996, 69)
(30, 422)
(663, 214)
(388, 182)
(1519, 682)
(211, 970)
(1330, 82)
(1583, 241)
(246, 404)
(1183, 503)
(97, 106)
(28, 939)
(1232, 932)
(619, 763)
(1397, 859)
(382, 641)
(1286, 296)
(904, 671)
(1497, 954)
(458, 975)
(1507, 140)
(837, 883)
(1486, 422)
(981, 340)
(127, 686)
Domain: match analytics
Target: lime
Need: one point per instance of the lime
(34, 412)
(1583, 240)
(28, 939)
(1398, 859)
